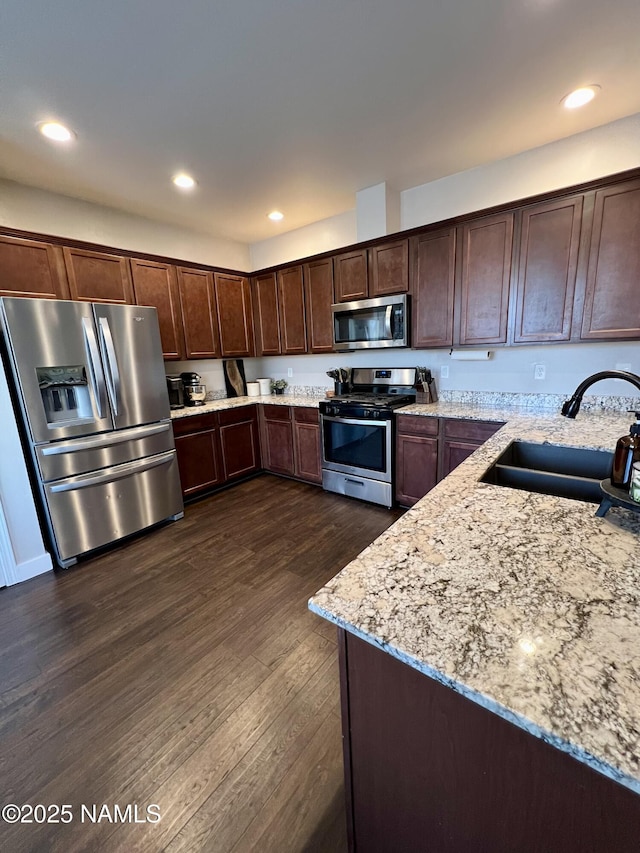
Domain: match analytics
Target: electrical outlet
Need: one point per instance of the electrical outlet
(444, 371)
(289, 372)
(539, 371)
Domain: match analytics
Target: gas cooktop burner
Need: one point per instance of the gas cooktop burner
(376, 400)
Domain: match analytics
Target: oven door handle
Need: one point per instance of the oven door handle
(381, 422)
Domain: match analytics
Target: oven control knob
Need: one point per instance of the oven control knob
(366, 413)
(375, 414)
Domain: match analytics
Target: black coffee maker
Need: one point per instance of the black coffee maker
(194, 391)
(176, 393)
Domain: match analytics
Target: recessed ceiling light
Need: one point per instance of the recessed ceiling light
(580, 97)
(56, 131)
(275, 216)
(184, 181)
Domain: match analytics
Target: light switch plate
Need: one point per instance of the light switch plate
(444, 371)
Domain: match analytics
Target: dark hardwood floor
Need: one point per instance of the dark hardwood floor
(183, 669)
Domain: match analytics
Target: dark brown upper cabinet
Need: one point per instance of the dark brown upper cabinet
(198, 305)
(318, 293)
(293, 335)
(433, 259)
(351, 276)
(98, 277)
(547, 266)
(612, 301)
(156, 284)
(235, 321)
(389, 268)
(31, 268)
(485, 271)
(266, 319)
(377, 271)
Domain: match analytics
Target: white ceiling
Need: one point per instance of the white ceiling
(295, 104)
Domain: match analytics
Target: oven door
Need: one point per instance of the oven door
(357, 446)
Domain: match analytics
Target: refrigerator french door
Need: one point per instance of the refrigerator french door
(90, 386)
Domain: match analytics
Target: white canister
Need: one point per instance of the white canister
(265, 386)
(253, 389)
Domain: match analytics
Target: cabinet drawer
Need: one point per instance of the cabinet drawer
(304, 415)
(236, 416)
(194, 423)
(416, 425)
(276, 413)
(470, 430)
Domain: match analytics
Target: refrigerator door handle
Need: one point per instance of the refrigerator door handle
(110, 474)
(113, 374)
(96, 442)
(95, 368)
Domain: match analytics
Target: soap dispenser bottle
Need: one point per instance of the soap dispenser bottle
(627, 452)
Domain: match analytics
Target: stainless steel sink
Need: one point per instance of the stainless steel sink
(549, 469)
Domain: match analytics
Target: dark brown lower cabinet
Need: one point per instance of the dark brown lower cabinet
(428, 769)
(416, 457)
(460, 438)
(427, 449)
(198, 448)
(239, 442)
(277, 439)
(306, 444)
(216, 447)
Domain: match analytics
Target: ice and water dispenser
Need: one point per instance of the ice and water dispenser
(65, 394)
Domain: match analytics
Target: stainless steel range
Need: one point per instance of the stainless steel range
(358, 433)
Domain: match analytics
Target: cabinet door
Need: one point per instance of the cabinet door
(350, 276)
(486, 269)
(265, 314)
(291, 304)
(233, 302)
(277, 439)
(31, 268)
(549, 240)
(156, 285)
(433, 258)
(389, 268)
(306, 438)
(416, 467)
(98, 277)
(460, 438)
(612, 302)
(239, 442)
(199, 461)
(318, 292)
(198, 307)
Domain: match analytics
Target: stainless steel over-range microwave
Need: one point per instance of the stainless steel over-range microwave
(371, 323)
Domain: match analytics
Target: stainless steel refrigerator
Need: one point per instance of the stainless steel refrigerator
(90, 385)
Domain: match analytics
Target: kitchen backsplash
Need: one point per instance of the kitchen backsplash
(499, 399)
(590, 403)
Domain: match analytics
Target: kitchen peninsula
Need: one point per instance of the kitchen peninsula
(494, 704)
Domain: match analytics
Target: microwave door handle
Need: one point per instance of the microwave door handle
(113, 374)
(96, 375)
(387, 323)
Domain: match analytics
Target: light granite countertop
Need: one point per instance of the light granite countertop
(308, 401)
(525, 603)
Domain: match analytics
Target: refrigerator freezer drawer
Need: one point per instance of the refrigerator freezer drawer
(81, 455)
(94, 509)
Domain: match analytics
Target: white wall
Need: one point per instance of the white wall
(322, 236)
(30, 209)
(605, 150)
(23, 552)
(509, 369)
